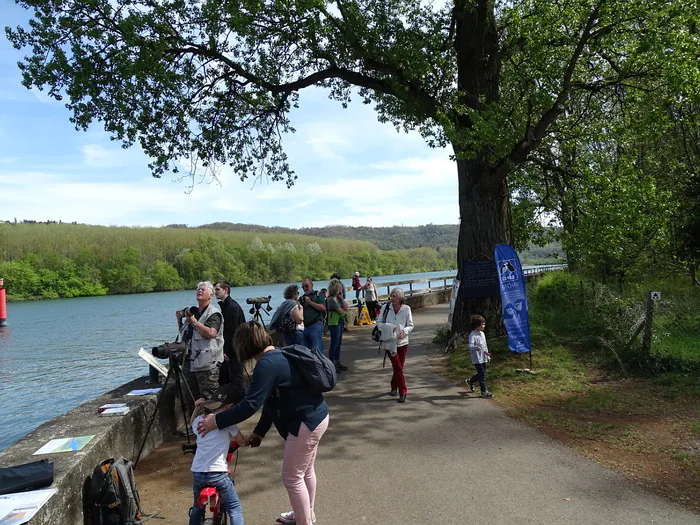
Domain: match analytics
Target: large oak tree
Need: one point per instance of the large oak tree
(214, 80)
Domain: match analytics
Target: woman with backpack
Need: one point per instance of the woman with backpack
(288, 319)
(299, 414)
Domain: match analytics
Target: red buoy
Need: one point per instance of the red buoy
(3, 306)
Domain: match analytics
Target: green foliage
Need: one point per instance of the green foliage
(385, 238)
(20, 279)
(61, 260)
(590, 315)
(583, 309)
(26, 279)
(545, 102)
(442, 334)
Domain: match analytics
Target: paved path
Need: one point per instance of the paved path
(440, 458)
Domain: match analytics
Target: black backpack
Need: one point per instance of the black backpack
(112, 498)
(315, 368)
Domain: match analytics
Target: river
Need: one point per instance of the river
(56, 355)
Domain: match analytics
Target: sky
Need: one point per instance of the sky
(352, 170)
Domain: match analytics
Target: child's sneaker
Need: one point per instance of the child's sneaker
(470, 386)
(487, 394)
(289, 518)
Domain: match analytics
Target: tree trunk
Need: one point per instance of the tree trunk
(483, 196)
(484, 223)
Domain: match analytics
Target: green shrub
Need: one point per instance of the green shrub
(591, 315)
(586, 312)
(442, 334)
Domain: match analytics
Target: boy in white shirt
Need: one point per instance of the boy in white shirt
(209, 467)
(480, 355)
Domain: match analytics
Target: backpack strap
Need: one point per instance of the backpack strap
(132, 505)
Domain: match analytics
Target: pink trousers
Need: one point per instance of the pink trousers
(298, 474)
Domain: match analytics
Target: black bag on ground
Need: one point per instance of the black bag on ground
(315, 368)
(30, 476)
(112, 495)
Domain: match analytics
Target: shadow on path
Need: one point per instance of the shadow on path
(443, 457)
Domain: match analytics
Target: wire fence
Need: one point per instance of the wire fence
(654, 330)
(674, 331)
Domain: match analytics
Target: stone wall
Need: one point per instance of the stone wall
(114, 436)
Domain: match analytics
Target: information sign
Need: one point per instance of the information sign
(480, 279)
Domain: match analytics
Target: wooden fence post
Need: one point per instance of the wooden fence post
(648, 325)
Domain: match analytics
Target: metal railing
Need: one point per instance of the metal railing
(527, 272)
(410, 289)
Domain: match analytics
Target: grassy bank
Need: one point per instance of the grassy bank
(643, 421)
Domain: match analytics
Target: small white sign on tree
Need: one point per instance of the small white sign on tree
(655, 296)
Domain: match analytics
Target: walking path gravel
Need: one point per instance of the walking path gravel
(443, 457)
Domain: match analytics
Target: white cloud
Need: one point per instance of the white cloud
(351, 170)
(326, 142)
(45, 196)
(97, 156)
(43, 96)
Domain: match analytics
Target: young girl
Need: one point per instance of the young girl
(209, 468)
(480, 355)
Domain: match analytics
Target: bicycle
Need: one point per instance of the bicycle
(209, 496)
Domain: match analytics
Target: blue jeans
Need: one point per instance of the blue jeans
(336, 341)
(227, 492)
(480, 376)
(294, 338)
(313, 336)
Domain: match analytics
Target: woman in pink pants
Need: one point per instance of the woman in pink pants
(301, 417)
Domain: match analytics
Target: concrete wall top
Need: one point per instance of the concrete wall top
(114, 436)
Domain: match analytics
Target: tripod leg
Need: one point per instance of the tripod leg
(181, 393)
(153, 417)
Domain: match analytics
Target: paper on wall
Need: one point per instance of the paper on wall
(144, 391)
(71, 444)
(22, 506)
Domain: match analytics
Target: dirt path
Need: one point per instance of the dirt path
(442, 458)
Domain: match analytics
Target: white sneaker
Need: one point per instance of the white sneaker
(289, 518)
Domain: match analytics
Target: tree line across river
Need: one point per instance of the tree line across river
(48, 261)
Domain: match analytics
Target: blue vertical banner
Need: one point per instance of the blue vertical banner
(513, 298)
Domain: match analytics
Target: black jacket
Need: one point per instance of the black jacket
(233, 318)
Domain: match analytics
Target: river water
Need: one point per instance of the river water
(56, 355)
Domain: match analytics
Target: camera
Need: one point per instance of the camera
(164, 351)
(191, 310)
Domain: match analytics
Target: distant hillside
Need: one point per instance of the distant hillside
(386, 238)
(436, 236)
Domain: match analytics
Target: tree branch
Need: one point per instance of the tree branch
(534, 134)
(409, 92)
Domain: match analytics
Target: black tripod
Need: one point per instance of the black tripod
(174, 371)
(257, 316)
